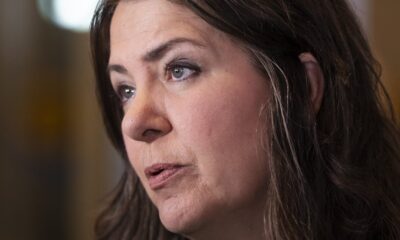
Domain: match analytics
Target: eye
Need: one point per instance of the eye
(181, 71)
(125, 92)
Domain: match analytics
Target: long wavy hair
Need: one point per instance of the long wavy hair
(334, 174)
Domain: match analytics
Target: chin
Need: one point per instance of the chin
(184, 219)
(179, 220)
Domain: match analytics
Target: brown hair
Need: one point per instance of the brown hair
(333, 175)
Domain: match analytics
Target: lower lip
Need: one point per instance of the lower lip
(160, 180)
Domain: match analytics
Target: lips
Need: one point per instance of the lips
(160, 174)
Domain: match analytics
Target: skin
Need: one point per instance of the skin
(208, 120)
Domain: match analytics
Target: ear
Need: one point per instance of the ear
(315, 77)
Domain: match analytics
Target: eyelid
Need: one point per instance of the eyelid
(183, 63)
(117, 82)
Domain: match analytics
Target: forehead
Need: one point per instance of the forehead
(141, 24)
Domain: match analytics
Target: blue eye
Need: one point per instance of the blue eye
(125, 92)
(181, 71)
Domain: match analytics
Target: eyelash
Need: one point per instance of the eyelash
(183, 65)
(194, 69)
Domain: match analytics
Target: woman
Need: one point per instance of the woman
(244, 120)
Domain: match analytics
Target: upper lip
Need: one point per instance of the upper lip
(159, 167)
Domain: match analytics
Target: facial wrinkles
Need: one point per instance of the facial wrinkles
(181, 24)
(163, 152)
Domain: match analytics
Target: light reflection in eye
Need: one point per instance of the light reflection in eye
(125, 93)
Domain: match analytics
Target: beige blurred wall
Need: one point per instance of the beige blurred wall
(55, 161)
(385, 42)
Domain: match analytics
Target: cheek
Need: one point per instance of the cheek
(228, 115)
(226, 118)
(221, 128)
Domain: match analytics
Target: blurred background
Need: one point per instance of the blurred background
(56, 164)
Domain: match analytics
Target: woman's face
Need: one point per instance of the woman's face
(192, 124)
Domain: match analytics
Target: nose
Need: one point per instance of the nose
(144, 119)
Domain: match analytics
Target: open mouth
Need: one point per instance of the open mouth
(155, 173)
(157, 169)
(159, 174)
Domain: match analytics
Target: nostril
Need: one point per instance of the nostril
(151, 134)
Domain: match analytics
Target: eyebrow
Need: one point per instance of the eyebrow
(157, 53)
(116, 68)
